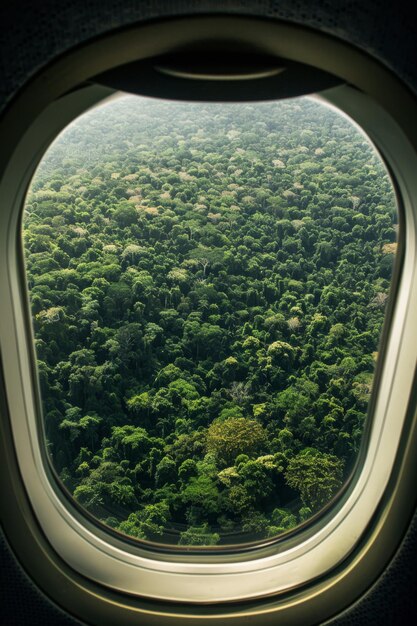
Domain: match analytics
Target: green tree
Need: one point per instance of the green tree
(237, 435)
(316, 475)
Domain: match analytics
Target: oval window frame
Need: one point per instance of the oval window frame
(221, 579)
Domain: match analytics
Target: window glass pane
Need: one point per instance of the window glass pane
(208, 285)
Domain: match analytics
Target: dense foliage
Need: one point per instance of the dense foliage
(208, 285)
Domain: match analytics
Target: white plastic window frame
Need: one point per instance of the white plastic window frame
(273, 570)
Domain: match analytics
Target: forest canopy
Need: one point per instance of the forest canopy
(208, 285)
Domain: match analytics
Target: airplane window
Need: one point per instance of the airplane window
(208, 285)
(208, 323)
